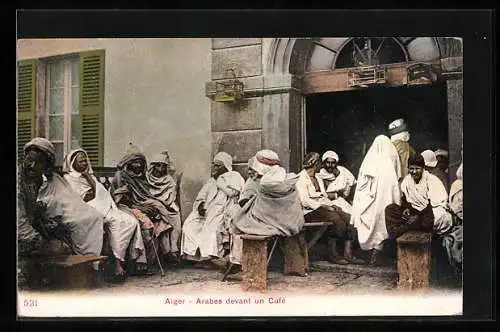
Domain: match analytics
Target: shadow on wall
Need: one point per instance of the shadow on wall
(189, 189)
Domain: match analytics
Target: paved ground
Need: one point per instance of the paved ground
(325, 278)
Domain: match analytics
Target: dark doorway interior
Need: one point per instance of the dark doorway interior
(347, 122)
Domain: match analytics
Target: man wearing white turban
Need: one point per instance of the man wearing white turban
(317, 206)
(270, 204)
(203, 232)
(337, 179)
(431, 165)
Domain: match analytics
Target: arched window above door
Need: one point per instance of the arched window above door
(334, 53)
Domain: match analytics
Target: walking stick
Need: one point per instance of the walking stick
(157, 257)
(272, 250)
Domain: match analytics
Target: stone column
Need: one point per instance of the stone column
(452, 68)
(282, 119)
(269, 116)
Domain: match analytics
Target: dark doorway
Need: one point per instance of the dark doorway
(347, 122)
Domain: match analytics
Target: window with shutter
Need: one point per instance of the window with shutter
(91, 105)
(26, 101)
(61, 108)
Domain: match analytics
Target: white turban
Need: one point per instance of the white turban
(429, 158)
(330, 154)
(225, 159)
(264, 160)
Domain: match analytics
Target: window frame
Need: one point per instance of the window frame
(67, 86)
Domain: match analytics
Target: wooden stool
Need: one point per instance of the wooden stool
(72, 271)
(414, 260)
(254, 262)
(295, 255)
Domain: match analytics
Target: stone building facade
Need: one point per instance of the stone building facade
(280, 73)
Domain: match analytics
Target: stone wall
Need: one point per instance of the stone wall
(237, 128)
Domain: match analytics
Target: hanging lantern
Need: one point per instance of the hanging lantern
(366, 76)
(230, 89)
(421, 73)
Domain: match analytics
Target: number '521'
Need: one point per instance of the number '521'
(30, 303)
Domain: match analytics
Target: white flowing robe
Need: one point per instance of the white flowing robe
(341, 183)
(85, 222)
(207, 233)
(311, 199)
(429, 188)
(123, 229)
(377, 187)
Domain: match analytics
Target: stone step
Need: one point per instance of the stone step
(379, 271)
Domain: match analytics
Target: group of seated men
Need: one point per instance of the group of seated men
(73, 212)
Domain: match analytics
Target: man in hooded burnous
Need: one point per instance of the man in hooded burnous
(204, 235)
(131, 191)
(163, 186)
(400, 137)
(269, 206)
(49, 209)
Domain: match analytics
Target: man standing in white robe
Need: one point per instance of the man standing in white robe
(377, 187)
(123, 229)
(203, 232)
(337, 179)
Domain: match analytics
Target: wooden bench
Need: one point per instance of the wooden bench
(255, 258)
(414, 260)
(67, 272)
(73, 271)
(321, 229)
(254, 261)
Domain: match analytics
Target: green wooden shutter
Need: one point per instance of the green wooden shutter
(26, 104)
(91, 105)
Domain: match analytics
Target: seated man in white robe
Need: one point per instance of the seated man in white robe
(338, 181)
(424, 204)
(270, 204)
(123, 229)
(204, 232)
(316, 206)
(53, 201)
